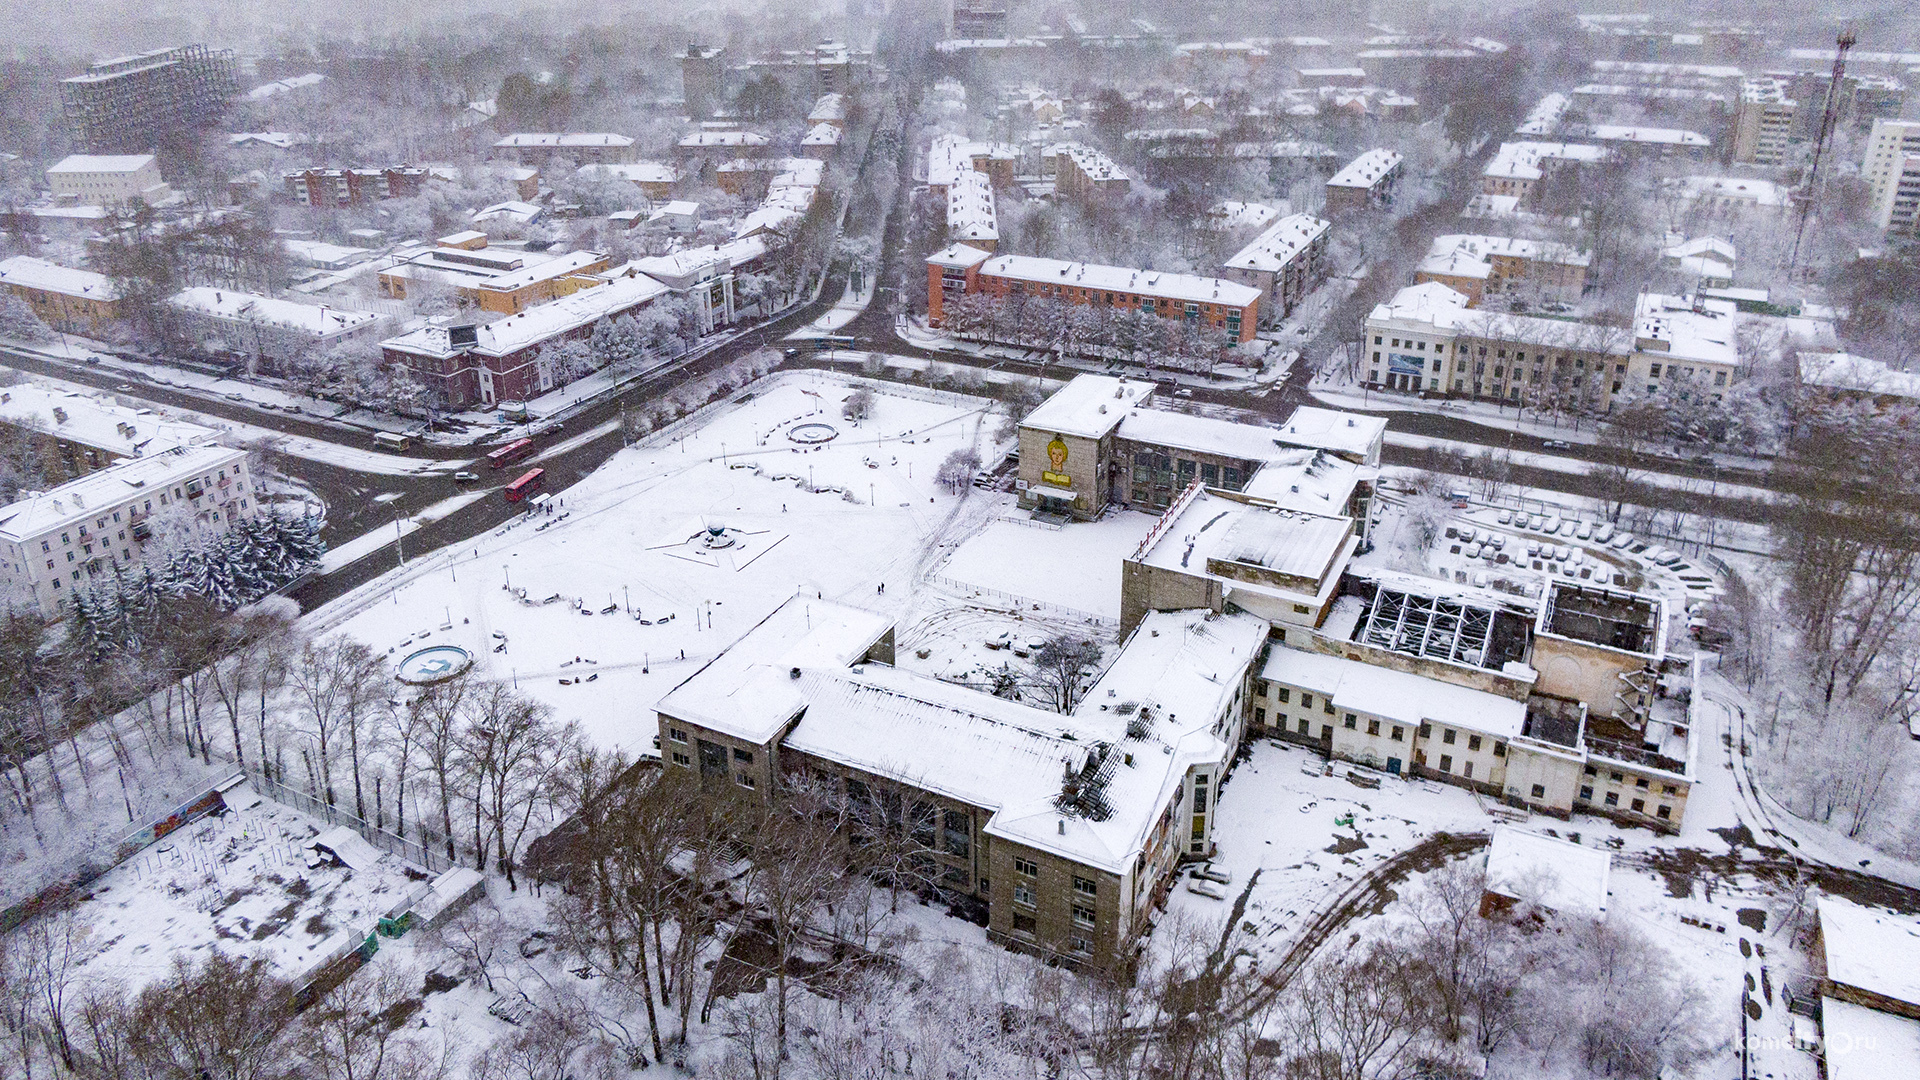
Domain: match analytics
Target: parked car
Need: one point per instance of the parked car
(1557, 444)
(465, 477)
(1206, 888)
(294, 407)
(1208, 872)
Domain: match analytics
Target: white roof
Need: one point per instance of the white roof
(32, 273)
(748, 692)
(1344, 433)
(678, 208)
(970, 208)
(822, 135)
(1522, 160)
(319, 320)
(1867, 1044)
(1686, 329)
(1443, 311)
(1311, 480)
(1661, 136)
(562, 139)
(1154, 283)
(1272, 250)
(1555, 874)
(1367, 169)
(829, 107)
(638, 172)
(101, 163)
(778, 219)
(1204, 526)
(1871, 950)
(540, 322)
(1844, 371)
(512, 208)
(1545, 115)
(959, 256)
(113, 486)
(1095, 163)
(281, 86)
(1231, 214)
(1396, 695)
(1089, 406)
(700, 139)
(320, 253)
(1204, 434)
(348, 846)
(1473, 247)
(951, 155)
(1759, 192)
(572, 262)
(96, 421)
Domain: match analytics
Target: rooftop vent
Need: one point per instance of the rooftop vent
(794, 674)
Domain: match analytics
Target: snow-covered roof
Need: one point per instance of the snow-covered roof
(100, 163)
(559, 140)
(638, 172)
(1095, 163)
(511, 210)
(1440, 310)
(677, 208)
(1200, 534)
(748, 691)
(768, 218)
(1469, 247)
(829, 107)
(1857, 374)
(538, 323)
(822, 135)
(573, 262)
(1201, 434)
(96, 421)
(1859, 1043)
(1351, 435)
(1396, 695)
(85, 498)
(1273, 249)
(1523, 160)
(1562, 876)
(1653, 135)
(320, 320)
(970, 209)
(348, 846)
(958, 257)
(1702, 245)
(1545, 115)
(1686, 328)
(1741, 188)
(319, 253)
(1367, 169)
(281, 86)
(1231, 214)
(31, 273)
(1311, 480)
(731, 139)
(1154, 283)
(1089, 406)
(1871, 950)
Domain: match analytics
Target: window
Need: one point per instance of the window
(1664, 812)
(1079, 946)
(1282, 695)
(1304, 725)
(959, 833)
(1446, 763)
(1639, 806)
(920, 824)
(1199, 800)
(1613, 798)
(1667, 789)
(1326, 732)
(1399, 733)
(745, 780)
(1023, 894)
(1373, 727)
(1260, 716)
(1615, 777)
(1587, 793)
(1085, 886)
(681, 759)
(1473, 742)
(1328, 707)
(1301, 609)
(1447, 736)
(1082, 915)
(1591, 771)
(1539, 791)
(1306, 700)
(1653, 371)
(1466, 769)
(1026, 866)
(744, 757)
(1350, 722)
(1024, 925)
(676, 734)
(1640, 783)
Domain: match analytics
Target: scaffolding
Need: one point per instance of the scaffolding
(143, 103)
(1428, 626)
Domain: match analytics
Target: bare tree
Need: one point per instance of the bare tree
(357, 1032)
(1061, 666)
(224, 1019)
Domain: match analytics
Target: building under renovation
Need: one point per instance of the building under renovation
(149, 101)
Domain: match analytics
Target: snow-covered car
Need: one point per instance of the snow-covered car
(1209, 872)
(465, 477)
(1206, 888)
(1621, 542)
(1557, 444)
(1000, 640)
(1584, 532)
(1506, 517)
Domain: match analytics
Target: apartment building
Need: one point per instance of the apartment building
(703, 275)
(1484, 266)
(1521, 169)
(1285, 262)
(1763, 122)
(505, 361)
(76, 301)
(1066, 829)
(950, 156)
(108, 179)
(75, 434)
(1086, 174)
(507, 280)
(342, 188)
(655, 179)
(1892, 172)
(972, 218)
(1182, 299)
(269, 328)
(54, 542)
(579, 147)
(1365, 182)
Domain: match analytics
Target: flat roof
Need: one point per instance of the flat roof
(1871, 950)
(1635, 134)
(101, 163)
(559, 139)
(1089, 406)
(539, 322)
(1202, 434)
(1206, 526)
(1866, 1044)
(1396, 695)
(1555, 874)
(1335, 431)
(1845, 371)
(1696, 329)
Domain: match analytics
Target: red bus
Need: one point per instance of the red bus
(510, 453)
(530, 481)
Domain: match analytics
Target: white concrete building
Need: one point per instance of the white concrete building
(269, 328)
(1892, 171)
(56, 541)
(108, 179)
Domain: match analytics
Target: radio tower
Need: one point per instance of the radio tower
(1828, 119)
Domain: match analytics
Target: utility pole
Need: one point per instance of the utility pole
(1829, 117)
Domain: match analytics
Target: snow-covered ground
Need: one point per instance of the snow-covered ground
(238, 883)
(602, 606)
(1075, 568)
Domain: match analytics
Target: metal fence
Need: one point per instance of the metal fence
(427, 848)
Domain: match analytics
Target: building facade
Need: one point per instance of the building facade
(1892, 171)
(1364, 183)
(108, 179)
(76, 301)
(338, 189)
(580, 147)
(1764, 122)
(267, 328)
(138, 104)
(1286, 262)
(75, 434)
(57, 541)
